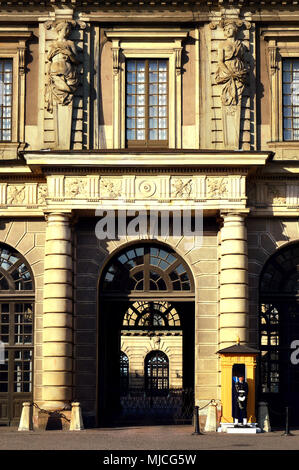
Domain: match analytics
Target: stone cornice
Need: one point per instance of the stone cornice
(209, 3)
(165, 160)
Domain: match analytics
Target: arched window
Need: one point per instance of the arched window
(124, 373)
(156, 367)
(151, 315)
(16, 331)
(147, 268)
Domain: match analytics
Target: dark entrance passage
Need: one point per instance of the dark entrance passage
(146, 344)
(279, 335)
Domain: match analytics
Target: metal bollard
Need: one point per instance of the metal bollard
(196, 422)
(287, 430)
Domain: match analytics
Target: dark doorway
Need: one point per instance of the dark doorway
(279, 335)
(146, 290)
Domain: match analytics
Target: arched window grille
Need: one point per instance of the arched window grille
(147, 268)
(151, 315)
(156, 367)
(16, 328)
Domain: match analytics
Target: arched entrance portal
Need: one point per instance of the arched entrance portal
(146, 343)
(16, 334)
(279, 333)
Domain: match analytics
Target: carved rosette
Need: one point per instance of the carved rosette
(147, 188)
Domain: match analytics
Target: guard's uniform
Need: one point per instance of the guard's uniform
(239, 400)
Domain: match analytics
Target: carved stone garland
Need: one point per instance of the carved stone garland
(232, 74)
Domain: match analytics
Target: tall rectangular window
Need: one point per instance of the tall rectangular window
(290, 92)
(147, 102)
(6, 99)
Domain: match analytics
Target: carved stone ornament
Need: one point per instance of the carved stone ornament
(277, 195)
(231, 74)
(75, 187)
(61, 66)
(147, 188)
(182, 188)
(232, 70)
(111, 188)
(42, 193)
(15, 194)
(217, 187)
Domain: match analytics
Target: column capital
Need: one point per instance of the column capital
(58, 216)
(233, 213)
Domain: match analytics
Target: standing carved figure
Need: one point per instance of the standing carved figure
(62, 78)
(231, 71)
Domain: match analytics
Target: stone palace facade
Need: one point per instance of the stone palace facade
(147, 109)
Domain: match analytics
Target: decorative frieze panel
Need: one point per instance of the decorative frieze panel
(262, 194)
(23, 194)
(182, 188)
(217, 188)
(110, 188)
(72, 190)
(76, 188)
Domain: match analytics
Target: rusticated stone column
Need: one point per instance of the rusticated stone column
(233, 280)
(57, 317)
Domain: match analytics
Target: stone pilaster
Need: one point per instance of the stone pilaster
(233, 280)
(57, 317)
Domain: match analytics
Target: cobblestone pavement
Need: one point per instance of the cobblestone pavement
(144, 438)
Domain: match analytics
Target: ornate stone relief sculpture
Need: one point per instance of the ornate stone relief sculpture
(182, 188)
(217, 187)
(231, 73)
(111, 188)
(76, 188)
(61, 73)
(42, 193)
(16, 194)
(62, 78)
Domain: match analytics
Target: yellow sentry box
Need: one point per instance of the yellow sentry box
(229, 357)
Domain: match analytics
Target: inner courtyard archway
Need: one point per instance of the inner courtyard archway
(279, 334)
(146, 335)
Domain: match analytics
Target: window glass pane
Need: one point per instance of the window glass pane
(290, 91)
(5, 98)
(146, 87)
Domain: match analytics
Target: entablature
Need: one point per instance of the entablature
(158, 181)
